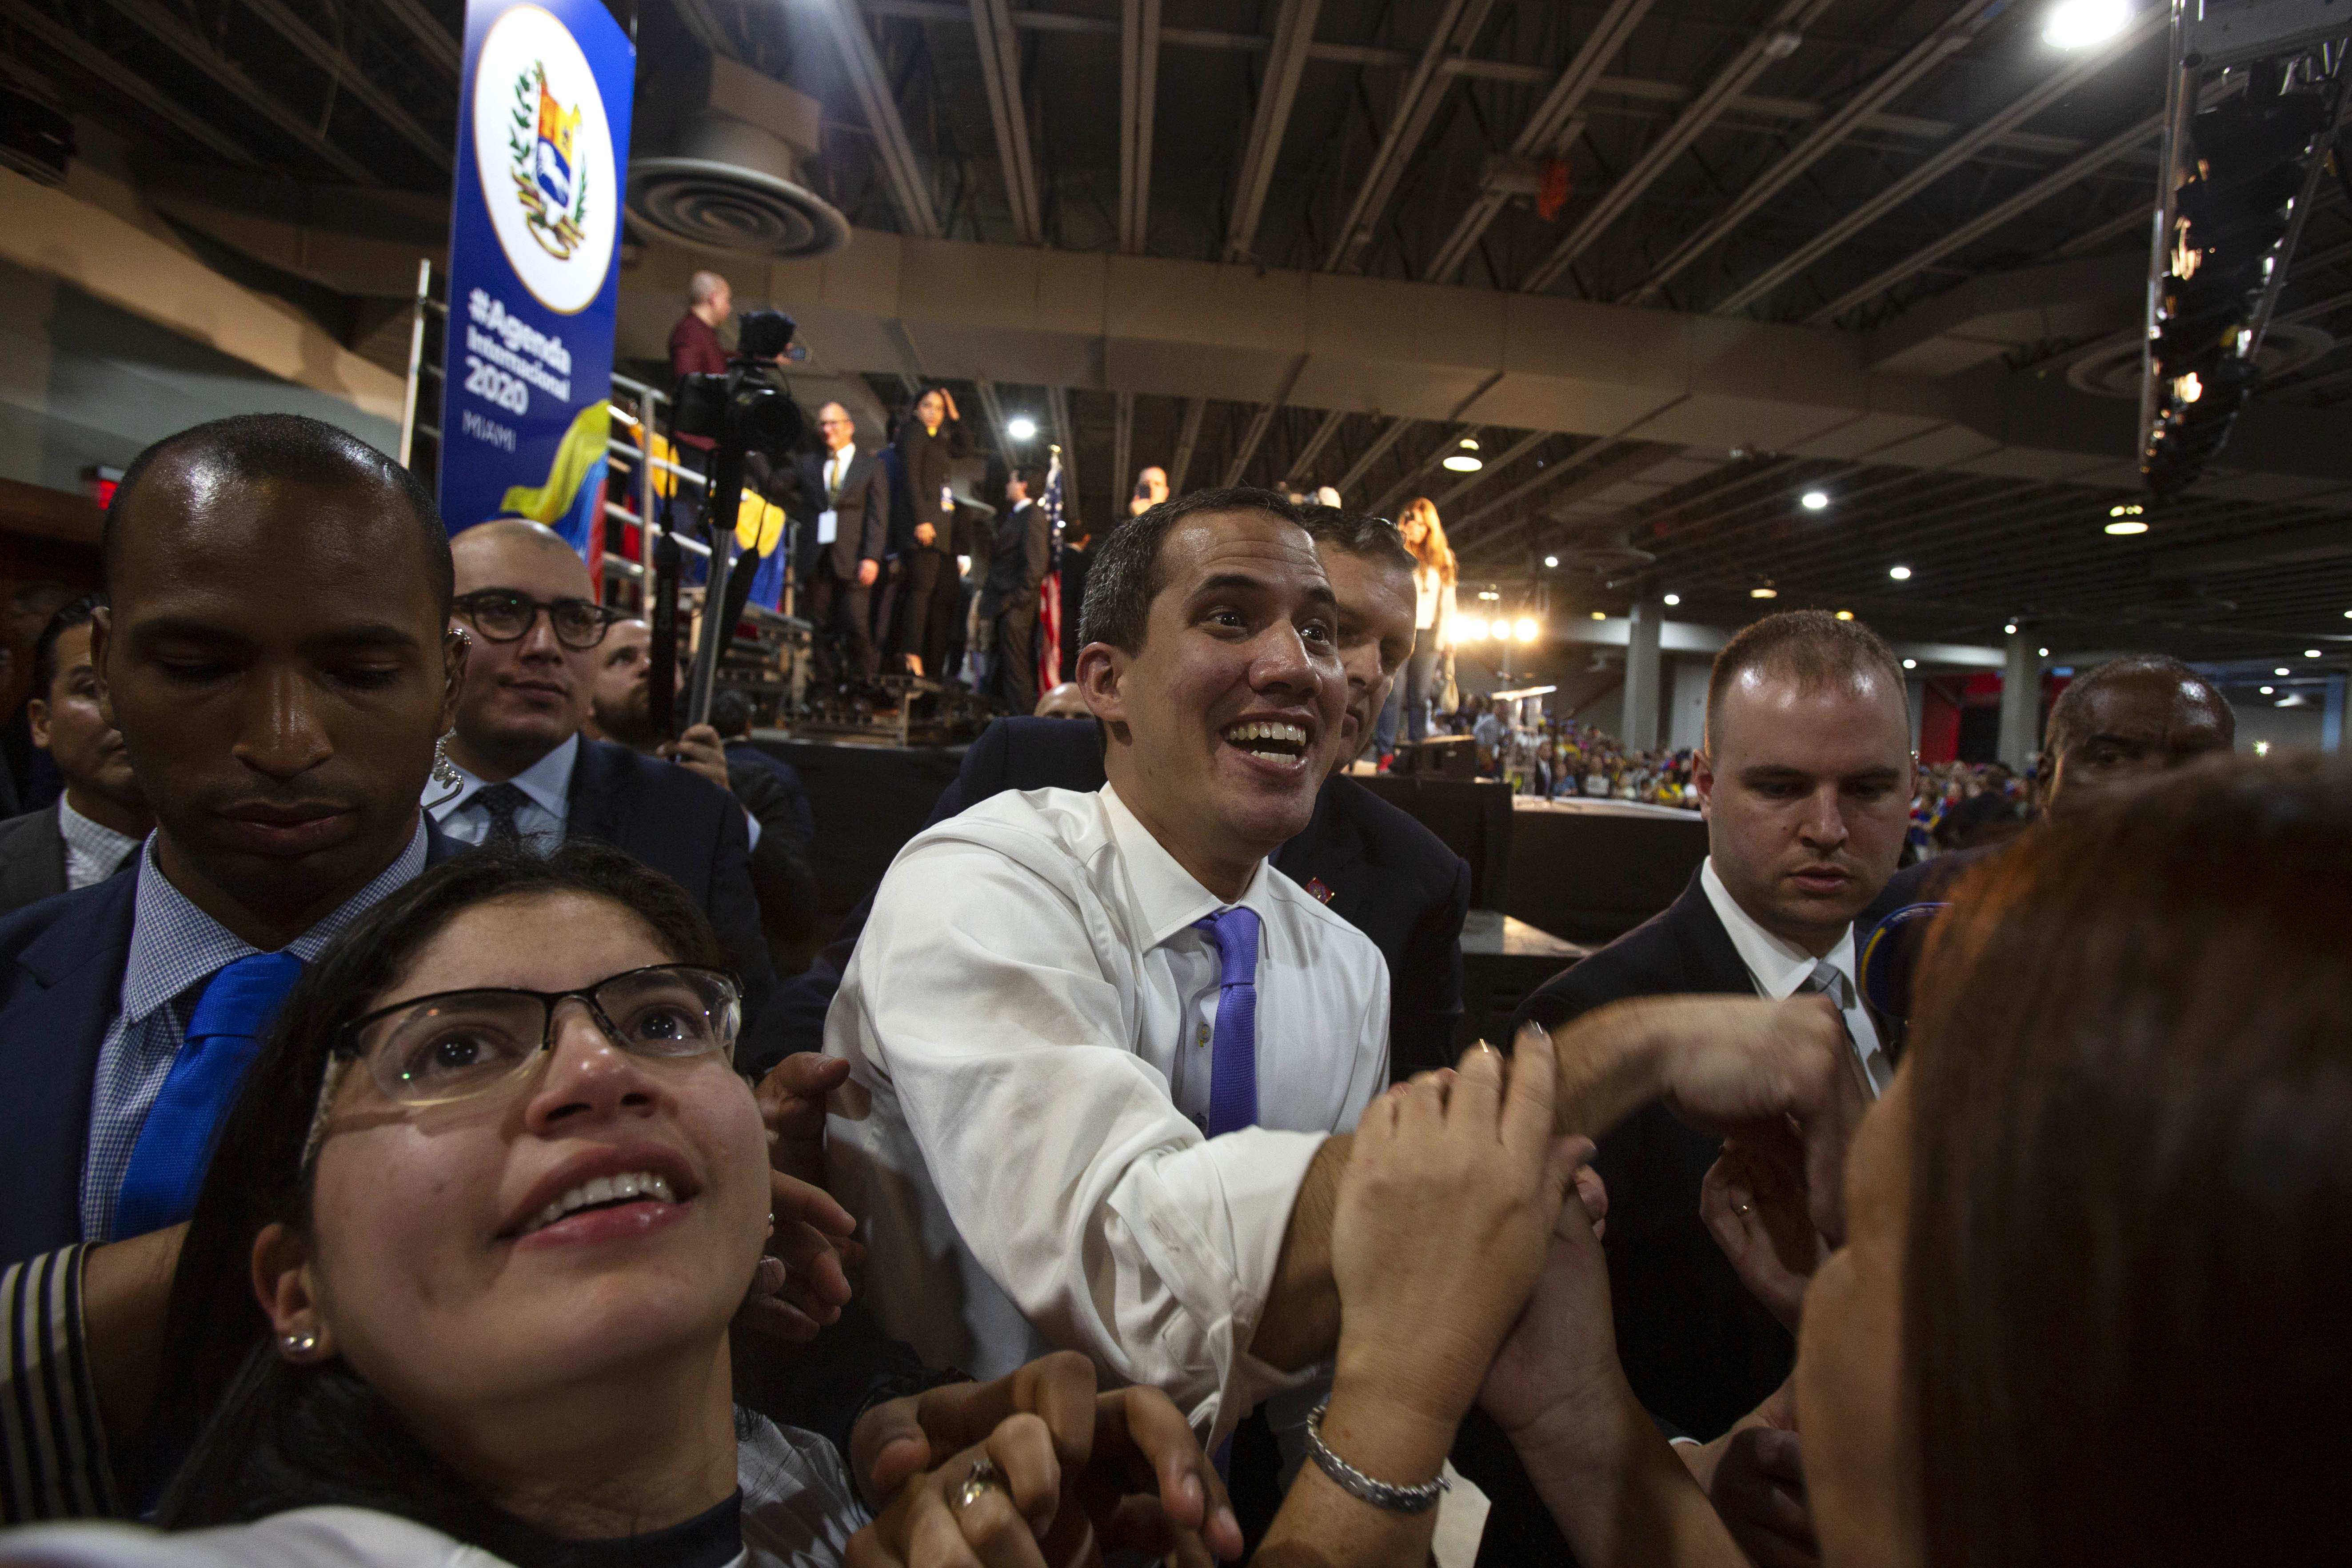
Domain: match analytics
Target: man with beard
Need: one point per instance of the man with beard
(1366, 860)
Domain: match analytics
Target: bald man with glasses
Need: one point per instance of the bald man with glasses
(527, 776)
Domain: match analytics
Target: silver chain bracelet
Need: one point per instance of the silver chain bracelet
(1362, 1487)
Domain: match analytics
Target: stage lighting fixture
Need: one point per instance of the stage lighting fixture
(1020, 429)
(1900, 574)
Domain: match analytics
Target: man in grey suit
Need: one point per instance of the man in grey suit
(844, 516)
(98, 824)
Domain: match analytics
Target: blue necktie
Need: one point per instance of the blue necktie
(175, 1143)
(1233, 1070)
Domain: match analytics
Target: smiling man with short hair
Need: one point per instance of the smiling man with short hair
(1099, 1045)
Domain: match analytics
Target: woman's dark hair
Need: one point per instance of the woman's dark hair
(2128, 1300)
(271, 1436)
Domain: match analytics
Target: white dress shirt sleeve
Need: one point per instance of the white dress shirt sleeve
(995, 1009)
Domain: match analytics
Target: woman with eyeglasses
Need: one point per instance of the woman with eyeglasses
(464, 1265)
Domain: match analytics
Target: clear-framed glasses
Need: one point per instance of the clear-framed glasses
(455, 1045)
(506, 614)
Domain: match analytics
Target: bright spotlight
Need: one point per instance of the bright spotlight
(1673, 599)
(1526, 629)
(2010, 628)
(2268, 689)
(1552, 561)
(1020, 429)
(2044, 652)
(1910, 663)
(1900, 574)
(1845, 615)
(1477, 629)
(2281, 669)
(2079, 24)
(1763, 593)
(2311, 653)
(1599, 614)
(1463, 463)
(2127, 526)
(1814, 500)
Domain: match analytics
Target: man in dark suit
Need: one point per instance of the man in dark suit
(1805, 781)
(1008, 599)
(100, 819)
(1369, 862)
(278, 660)
(843, 512)
(527, 773)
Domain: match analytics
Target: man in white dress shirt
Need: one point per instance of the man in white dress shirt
(1041, 1129)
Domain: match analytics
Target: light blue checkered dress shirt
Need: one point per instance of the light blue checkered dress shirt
(176, 948)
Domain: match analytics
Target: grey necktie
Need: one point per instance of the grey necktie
(1828, 980)
(500, 802)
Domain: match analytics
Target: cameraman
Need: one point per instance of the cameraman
(693, 347)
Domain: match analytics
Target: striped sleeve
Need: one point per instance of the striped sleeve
(55, 1461)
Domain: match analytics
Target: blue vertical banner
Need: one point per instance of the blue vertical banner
(534, 265)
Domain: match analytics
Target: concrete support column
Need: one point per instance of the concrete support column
(2021, 700)
(2331, 720)
(1644, 675)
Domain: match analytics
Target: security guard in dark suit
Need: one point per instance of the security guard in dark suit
(843, 513)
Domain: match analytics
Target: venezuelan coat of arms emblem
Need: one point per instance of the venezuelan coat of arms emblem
(554, 193)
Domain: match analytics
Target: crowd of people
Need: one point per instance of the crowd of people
(415, 1156)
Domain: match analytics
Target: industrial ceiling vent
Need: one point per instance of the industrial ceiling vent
(720, 168)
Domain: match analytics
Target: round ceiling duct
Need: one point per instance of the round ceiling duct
(2112, 369)
(729, 185)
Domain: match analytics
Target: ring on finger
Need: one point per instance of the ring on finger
(985, 1477)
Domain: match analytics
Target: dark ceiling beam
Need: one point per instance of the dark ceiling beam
(1302, 467)
(430, 35)
(1394, 431)
(349, 78)
(88, 57)
(1277, 90)
(1548, 131)
(1188, 440)
(1122, 440)
(999, 72)
(1261, 422)
(1138, 98)
(1416, 104)
(1959, 31)
(2048, 92)
(198, 51)
(1576, 484)
(1775, 42)
(909, 189)
(1996, 216)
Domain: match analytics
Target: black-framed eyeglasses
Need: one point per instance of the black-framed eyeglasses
(506, 614)
(455, 1045)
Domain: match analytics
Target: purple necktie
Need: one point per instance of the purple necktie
(1233, 1072)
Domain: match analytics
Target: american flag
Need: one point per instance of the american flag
(1049, 608)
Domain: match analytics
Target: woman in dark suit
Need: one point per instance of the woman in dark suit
(929, 442)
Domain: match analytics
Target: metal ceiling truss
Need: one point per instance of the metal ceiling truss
(1416, 104)
(1294, 31)
(2048, 92)
(89, 57)
(1138, 98)
(349, 78)
(1000, 70)
(910, 187)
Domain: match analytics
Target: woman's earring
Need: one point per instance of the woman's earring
(298, 1344)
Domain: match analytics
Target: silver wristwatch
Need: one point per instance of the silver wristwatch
(1358, 1485)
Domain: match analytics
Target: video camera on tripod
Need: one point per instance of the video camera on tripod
(745, 409)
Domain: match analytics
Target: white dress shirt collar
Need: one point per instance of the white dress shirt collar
(1779, 967)
(548, 782)
(93, 850)
(1169, 896)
